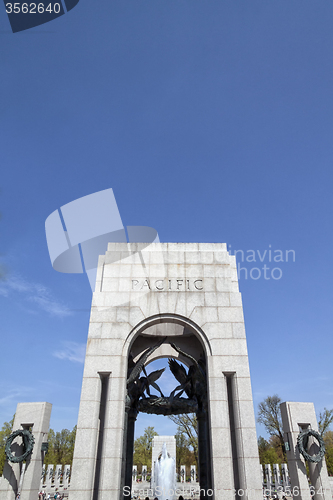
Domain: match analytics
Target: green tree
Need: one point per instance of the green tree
(61, 447)
(268, 453)
(143, 448)
(325, 420)
(187, 424)
(182, 449)
(329, 461)
(4, 434)
(328, 440)
(269, 414)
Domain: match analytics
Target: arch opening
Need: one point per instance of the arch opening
(183, 343)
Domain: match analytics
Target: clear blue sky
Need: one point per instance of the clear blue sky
(212, 121)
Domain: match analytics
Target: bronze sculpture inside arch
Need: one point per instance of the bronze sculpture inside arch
(139, 399)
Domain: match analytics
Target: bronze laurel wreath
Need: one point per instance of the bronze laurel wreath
(302, 443)
(28, 442)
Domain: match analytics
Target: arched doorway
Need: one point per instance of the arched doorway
(176, 338)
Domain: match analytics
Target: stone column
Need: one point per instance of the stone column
(277, 477)
(268, 474)
(295, 417)
(246, 447)
(49, 477)
(65, 479)
(34, 416)
(57, 477)
(144, 473)
(134, 473)
(182, 473)
(285, 476)
(193, 474)
(262, 475)
(112, 452)
(85, 451)
(221, 455)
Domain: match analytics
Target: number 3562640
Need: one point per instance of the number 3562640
(32, 8)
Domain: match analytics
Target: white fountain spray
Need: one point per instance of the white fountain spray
(165, 476)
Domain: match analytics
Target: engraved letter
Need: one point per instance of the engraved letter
(179, 283)
(134, 283)
(195, 285)
(161, 287)
(146, 283)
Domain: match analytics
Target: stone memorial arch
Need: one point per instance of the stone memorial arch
(180, 301)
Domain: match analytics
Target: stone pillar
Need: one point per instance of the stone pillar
(89, 437)
(262, 475)
(182, 473)
(297, 417)
(244, 450)
(65, 478)
(34, 416)
(57, 477)
(277, 476)
(144, 473)
(49, 476)
(221, 455)
(134, 473)
(193, 474)
(268, 474)
(285, 476)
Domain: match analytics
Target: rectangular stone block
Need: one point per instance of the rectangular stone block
(88, 414)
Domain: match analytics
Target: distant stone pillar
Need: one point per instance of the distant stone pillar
(49, 476)
(262, 475)
(182, 473)
(57, 478)
(135, 473)
(193, 474)
(65, 477)
(285, 476)
(268, 474)
(144, 473)
(34, 417)
(297, 417)
(277, 477)
(42, 479)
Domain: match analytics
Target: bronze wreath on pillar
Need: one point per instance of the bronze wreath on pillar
(28, 442)
(302, 443)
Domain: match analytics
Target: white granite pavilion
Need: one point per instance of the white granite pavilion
(154, 295)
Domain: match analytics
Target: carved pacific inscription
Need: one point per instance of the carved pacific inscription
(168, 285)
